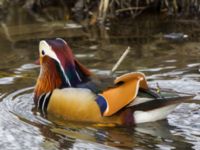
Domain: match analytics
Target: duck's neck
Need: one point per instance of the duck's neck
(48, 80)
(77, 73)
(74, 76)
(52, 77)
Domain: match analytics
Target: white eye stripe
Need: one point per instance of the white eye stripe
(47, 49)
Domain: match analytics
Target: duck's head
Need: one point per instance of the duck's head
(58, 67)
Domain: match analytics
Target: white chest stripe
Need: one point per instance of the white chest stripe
(44, 101)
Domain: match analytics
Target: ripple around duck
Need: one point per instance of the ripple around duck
(15, 133)
(21, 128)
(20, 103)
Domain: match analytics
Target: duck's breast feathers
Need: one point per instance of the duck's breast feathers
(74, 104)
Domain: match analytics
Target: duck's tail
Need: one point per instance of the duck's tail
(155, 107)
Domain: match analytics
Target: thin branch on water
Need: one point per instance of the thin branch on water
(120, 60)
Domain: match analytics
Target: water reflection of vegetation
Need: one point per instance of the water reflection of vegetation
(43, 10)
(48, 19)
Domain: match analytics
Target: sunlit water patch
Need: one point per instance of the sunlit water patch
(7, 80)
(186, 119)
(27, 67)
(187, 86)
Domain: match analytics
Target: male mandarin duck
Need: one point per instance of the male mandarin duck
(67, 89)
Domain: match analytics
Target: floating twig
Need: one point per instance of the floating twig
(120, 60)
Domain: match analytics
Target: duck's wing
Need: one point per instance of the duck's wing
(124, 92)
(132, 90)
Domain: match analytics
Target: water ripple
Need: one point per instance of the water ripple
(16, 133)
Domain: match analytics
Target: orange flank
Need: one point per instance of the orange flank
(77, 104)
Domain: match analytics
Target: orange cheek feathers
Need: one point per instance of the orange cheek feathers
(49, 79)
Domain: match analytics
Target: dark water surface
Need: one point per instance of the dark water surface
(171, 64)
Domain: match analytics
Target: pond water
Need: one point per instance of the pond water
(171, 64)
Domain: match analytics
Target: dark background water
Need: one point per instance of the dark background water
(172, 64)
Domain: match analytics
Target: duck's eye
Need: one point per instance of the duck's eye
(43, 53)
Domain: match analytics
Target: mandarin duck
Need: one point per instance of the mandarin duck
(65, 88)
